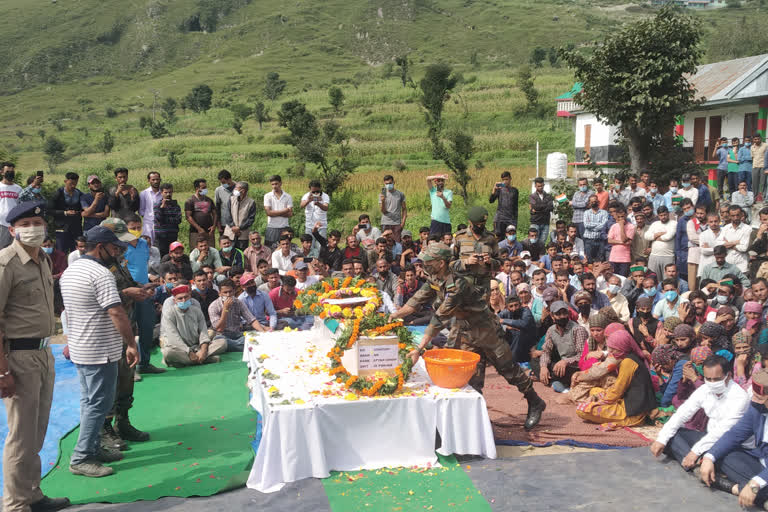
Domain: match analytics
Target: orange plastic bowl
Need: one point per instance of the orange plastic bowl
(450, 368)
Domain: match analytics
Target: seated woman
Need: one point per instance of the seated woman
(748, 361)
(643, 326)
(629, 400)
(665, 332)
(597, 367)
(662, 363)
(712, 335)
(693, 378)
(495, 298)
(684, 341)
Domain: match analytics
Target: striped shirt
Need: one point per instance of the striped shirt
(89, 291)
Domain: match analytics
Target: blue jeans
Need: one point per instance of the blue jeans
(144, 316)
(680, 444)
(594, 249)
(746, 176)
(543, 230)
(580, 229)
(235, 343)
(733, 182)
(98, 383)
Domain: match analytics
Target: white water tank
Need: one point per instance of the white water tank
(557, 166)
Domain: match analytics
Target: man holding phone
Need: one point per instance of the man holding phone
(506, 213)
(34, 189)
(315, 204)
(393, 208)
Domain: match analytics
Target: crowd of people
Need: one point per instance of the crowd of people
(648, 306)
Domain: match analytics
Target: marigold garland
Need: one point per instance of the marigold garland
(313, 300)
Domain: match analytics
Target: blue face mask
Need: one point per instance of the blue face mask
(583, 188)
(48, 250)
(226, 249)
(748, 144)
(390, 186)
(688, 213)
(203, 191)
(670, 295)
(653, 190)
(35, 190)
(511, 238)
(184, 305)
(650, 292)
(673, 189)
(169, 286)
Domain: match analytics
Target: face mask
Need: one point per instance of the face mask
(35, 190)
(203, 191)
(721, 299)
(33, 236)
(673, 189)
(748, 144)
(226, 249)
(650, 292)
(654, 190)
(644, 314)
(48, 250)
(562, 322)
(688, 213)
(616, 187)
(390, 186)
(511, 238)
(671, 295)
(761, 408)
(236, 193)
(366, 227)
(478, 230)
(717, 388)
(184, 305)
(533, 239)
(527, 262)
(135, 232)
(637, 208)
(169, 286)
(613, 288)
(584, 309)
(593, 206)
(685, 184)
(583, 188)
(251, 290)
(10, 175)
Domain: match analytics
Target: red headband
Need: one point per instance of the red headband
(180, 289)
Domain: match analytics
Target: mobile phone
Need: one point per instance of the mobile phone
(40, 173)
(498, 185)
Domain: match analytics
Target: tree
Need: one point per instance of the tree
(237, 124)
(553, 57)
(336, 97)
(199, 100)
(538, 55)
(273, 86)
(157, 129)
(54, 149)
(107, 142)
(525, 83)
(41, 134)
(436, 86)
(261, 113)
(168, 110)
(637, 79)
(241, 111)
(326, 145)
(404, 63)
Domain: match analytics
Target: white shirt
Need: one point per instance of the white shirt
(313, 213)
(282, 263)
(373, 235)
(691, 193)
(620, 305)
(601, 283)
(148, 198)
(306, 284)
(665, 245)
(738, 255)
(274, 203)
(710, 239)
(723, 412)
(9, 197)
(73, 257)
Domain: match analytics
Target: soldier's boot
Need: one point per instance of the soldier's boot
(110, 440)
(536, 407)
(128, 431)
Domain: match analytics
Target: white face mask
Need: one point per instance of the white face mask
(236, 193)
(613, 288)
(717, 387)
(33, 236)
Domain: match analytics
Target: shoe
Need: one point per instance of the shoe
(146, 370)
(212, 359)
(558, 387)
(129, 432)
(108, 455)
(536, 407)
(110, 440)
(136, 377)
(91, 468)
(49, 504)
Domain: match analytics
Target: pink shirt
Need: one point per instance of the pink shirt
(622, 253)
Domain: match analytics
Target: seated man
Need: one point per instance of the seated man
(258, 303)
(406, 289)
(230, 255)
(743, 465)
(723, 402)
(184, 337)
(169, 278)
(203, 292)
(283, 298)
(519, 328)
(386, 281)
(178, 259)
(281, 258)
(303, 279)
(229, 315)
(563, 346)
(204, 254)
(272, 281)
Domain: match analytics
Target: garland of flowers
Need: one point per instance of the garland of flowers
(373, 325)
(312, 301)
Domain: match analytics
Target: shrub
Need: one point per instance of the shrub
(111, 112)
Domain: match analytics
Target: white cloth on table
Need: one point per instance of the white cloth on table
(326, 433)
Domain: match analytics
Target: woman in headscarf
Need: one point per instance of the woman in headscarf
(746, 362)
(713, 336)
(526, 297)
(684, 341)
(628, 401)
(598, 368)
(666, 333)
(583, 302)
(662, 363)
(693, 378)
(726, 317)
(496, 298)
(643, 326)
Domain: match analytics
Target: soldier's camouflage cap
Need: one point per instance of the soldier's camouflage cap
(119, 228)
(436, 251)
(477, 214)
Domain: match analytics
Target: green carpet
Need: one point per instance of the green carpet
(402, 489)
(201, 428)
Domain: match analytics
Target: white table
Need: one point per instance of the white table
(314, 426)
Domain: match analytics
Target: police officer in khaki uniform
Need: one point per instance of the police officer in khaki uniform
(476, 327)
(26, 363)
(476, 251)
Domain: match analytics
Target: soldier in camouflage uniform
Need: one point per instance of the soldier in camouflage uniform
(476, 251)
(130, 291)
(477, 328)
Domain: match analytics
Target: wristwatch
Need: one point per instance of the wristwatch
(754, 488)
(422, 351)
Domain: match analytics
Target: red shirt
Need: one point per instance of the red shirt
(282, 300)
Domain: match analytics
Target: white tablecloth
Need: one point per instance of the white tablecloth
(311, 426)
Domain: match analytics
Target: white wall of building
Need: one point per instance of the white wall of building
(732, 121)
(602, 134)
